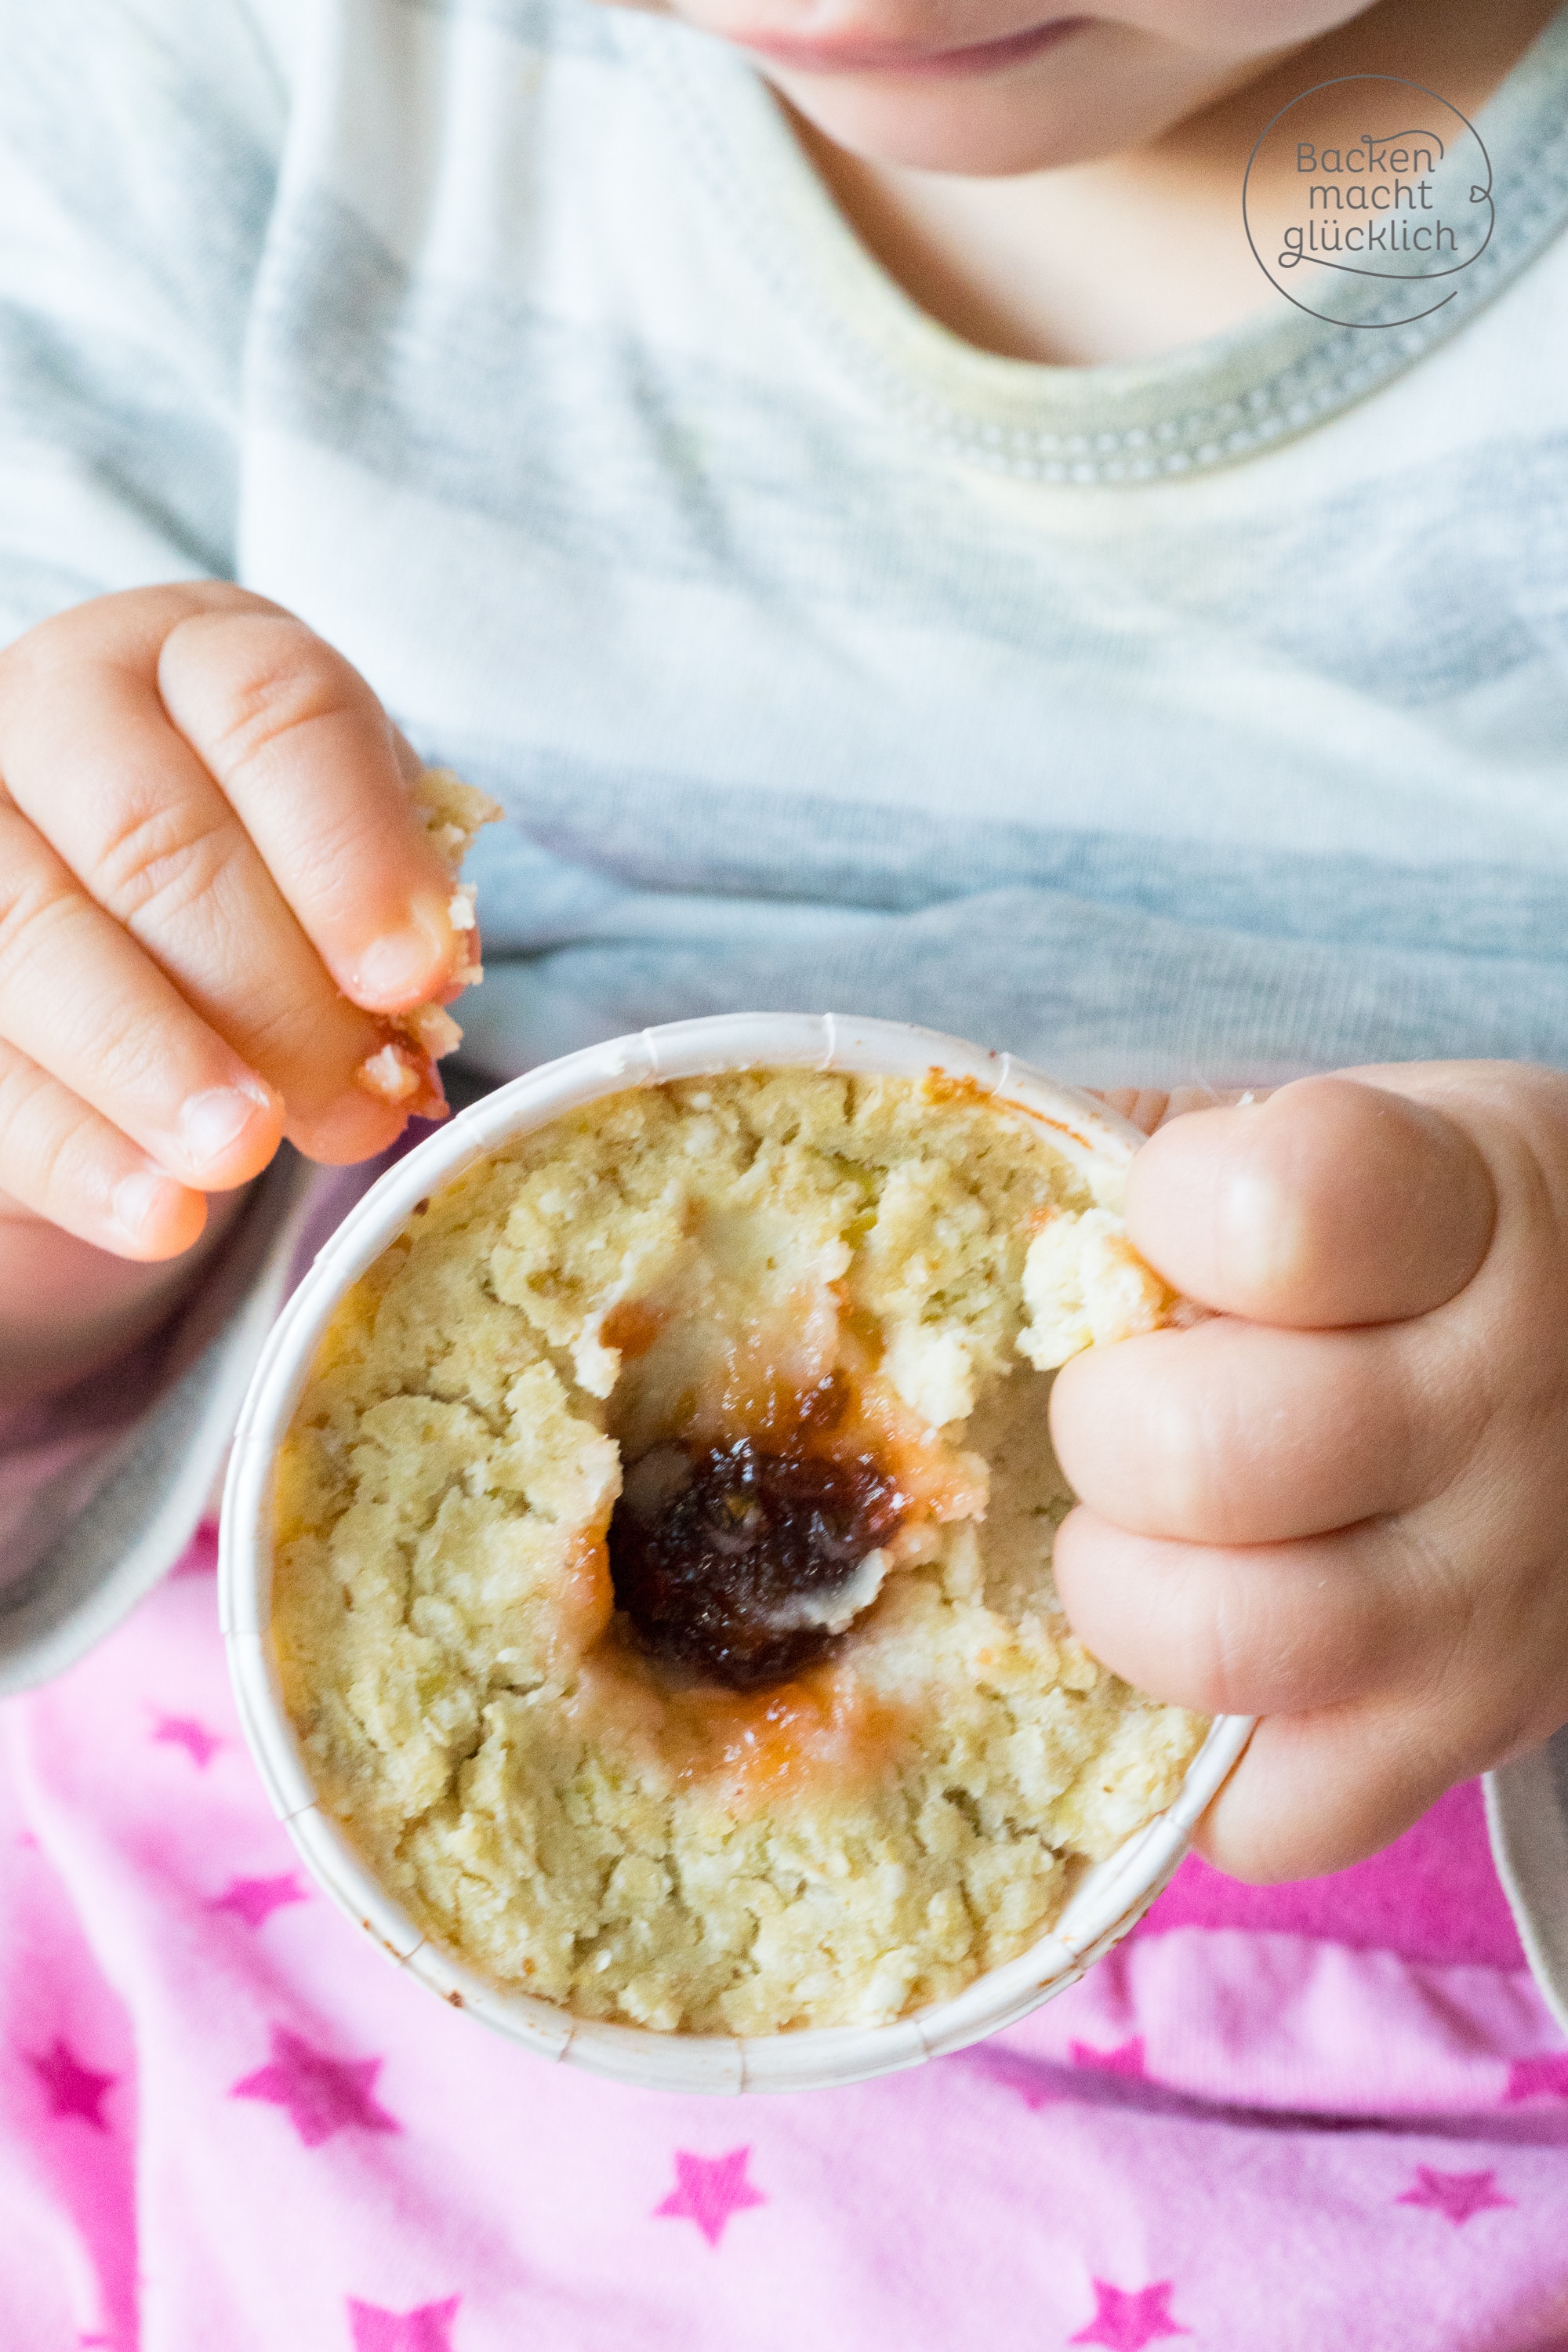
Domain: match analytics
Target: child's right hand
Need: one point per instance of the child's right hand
(211, 877)
(1341, 1503)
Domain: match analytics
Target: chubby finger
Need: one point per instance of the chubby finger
(1231, 1433)
(1260, 1629)
(60, 1158)
(79, 999)
(312, 765)
(1332, 1201)
(128, 808)
(1316, 1792)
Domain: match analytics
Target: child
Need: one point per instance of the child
(890, 548)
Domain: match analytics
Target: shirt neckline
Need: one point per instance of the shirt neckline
(1209, 405)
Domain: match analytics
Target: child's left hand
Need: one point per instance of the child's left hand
(1343, 1504)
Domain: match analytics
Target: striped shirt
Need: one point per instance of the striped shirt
(1199, 718)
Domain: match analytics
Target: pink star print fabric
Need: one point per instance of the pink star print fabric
(228, 2124)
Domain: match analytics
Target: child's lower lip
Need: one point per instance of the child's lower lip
(895, 59)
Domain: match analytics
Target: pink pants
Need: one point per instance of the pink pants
(1327, 2116)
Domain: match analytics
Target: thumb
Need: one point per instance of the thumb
(1333, 1202)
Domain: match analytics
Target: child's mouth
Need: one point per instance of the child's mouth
(908, 60)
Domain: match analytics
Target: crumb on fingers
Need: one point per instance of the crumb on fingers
(402, 1072)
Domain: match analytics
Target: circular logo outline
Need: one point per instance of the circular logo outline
(1483, 196)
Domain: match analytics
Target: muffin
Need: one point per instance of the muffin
(662, 1591)
(401, 1071)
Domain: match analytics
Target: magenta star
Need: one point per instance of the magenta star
(200, 1557)
(73, 2089)
(322, 2094)
(428, 2329)
(710, 2192)
(183, 1731)
(1455, 2195)
(254, 1900)
(1538, 2078)
(1128, 2319)
(1127, 2058)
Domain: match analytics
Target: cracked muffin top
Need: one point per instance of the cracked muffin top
(663, 1595)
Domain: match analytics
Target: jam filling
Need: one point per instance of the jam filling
(742, 1565)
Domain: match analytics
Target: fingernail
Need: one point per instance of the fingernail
(404, 963)
(212, 1123)
(140, 1199)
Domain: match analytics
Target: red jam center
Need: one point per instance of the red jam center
(728, 1559)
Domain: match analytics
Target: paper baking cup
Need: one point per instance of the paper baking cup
(1107, 1901)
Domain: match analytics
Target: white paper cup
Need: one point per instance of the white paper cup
(1107, 1901)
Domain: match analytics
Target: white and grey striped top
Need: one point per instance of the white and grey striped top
(1201, 719)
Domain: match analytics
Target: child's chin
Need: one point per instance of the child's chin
(993, 129)
(1037, 117)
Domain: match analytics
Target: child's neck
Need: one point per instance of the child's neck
(1141, 253)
